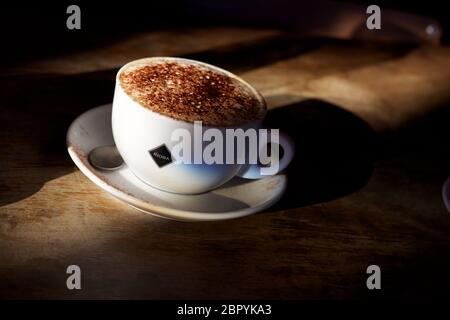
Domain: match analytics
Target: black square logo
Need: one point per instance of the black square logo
(161, 155)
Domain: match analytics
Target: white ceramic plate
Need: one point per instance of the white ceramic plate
(237, 198)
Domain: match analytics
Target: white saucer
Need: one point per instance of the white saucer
(237, 198)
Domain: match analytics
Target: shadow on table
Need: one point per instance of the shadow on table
(36, 113)
(334, 151)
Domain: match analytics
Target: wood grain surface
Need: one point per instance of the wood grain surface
(371, 127)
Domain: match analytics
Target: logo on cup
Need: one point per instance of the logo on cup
(161, 155)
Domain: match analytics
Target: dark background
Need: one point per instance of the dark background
(34, 29)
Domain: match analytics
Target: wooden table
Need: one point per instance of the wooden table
(371, 130)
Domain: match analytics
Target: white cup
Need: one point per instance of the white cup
(143, 138)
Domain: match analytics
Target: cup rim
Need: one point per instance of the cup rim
(257, 94)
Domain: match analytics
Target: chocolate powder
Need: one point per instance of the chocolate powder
(190, 92)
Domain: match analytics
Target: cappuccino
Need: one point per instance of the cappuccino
(168, 109)
(191, 91)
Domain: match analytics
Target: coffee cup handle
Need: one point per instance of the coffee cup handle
(258, 171)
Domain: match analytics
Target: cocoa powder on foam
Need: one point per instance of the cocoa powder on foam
(190, 92)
